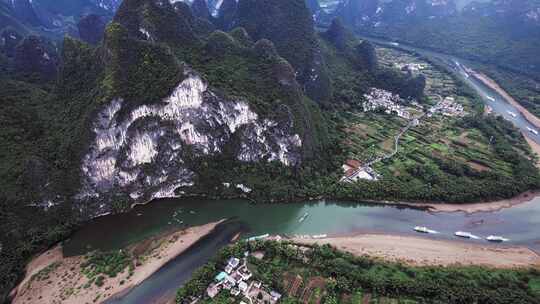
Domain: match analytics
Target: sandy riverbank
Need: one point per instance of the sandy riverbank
(426, 252)
(535, 148)
(495, 86)
(53, 278)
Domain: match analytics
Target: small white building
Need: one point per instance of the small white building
(275, 296)
(243, 286)
(233, 262)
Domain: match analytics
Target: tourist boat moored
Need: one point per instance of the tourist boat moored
(496, 239)
(423, 229)
(466, 235)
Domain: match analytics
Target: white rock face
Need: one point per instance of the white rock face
(139, 151)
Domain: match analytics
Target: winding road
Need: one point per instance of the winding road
(409, 125)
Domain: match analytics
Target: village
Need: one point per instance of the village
(441, 100)
(237, 279)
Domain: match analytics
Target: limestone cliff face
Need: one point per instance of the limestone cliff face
(143, 155)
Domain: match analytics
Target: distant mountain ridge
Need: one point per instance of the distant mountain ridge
(499, 32)
(52, 18)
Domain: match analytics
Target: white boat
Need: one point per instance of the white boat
(320, 236)
(466, 235)
(423, 229)
(258, 237)
(303, 218)
(496, 239)
(532, 130)
(512, 114)
(490, 98)
(394, 43)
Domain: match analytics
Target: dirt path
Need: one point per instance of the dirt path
(425, 252)
(54, 279)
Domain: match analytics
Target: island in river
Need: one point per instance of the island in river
(55, 278)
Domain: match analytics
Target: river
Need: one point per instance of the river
(323, 217)
(489, 96)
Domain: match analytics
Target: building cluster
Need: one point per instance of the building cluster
(413, 68)
(237, 279)
(354, 171)
(448, 107)
(378, 99)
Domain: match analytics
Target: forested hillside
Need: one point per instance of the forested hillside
(172, 100)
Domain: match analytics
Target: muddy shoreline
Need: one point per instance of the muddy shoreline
(469, 208)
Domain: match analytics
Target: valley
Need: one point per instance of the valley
(146, 142)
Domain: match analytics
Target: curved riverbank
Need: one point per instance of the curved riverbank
(54, 278)
(490, 83)
(419, 251)
(470, 208)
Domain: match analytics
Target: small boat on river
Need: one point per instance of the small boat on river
(490, 98)
(532, 130)
(466, 235)
(303, 218)
(423, 229)
(496, 239)
(258, 237)
(512, 114)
